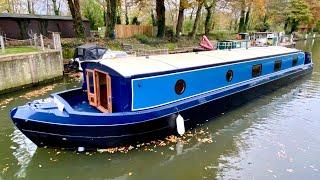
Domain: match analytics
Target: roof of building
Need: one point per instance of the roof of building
(31, 16)
(131, 66)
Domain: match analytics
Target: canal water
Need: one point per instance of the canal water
(274, 137)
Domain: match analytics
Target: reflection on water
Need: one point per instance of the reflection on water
(275, 136)
(23, 153)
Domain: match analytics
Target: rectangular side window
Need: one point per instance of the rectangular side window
(256, 70)
(277, 65)
(295, 60)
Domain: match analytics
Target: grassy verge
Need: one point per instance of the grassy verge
(18, 50)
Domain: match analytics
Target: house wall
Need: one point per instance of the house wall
(10, 27)
(17, 71)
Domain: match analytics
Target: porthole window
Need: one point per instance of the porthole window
(256, 70)
(295, 60)
(277, 65)
(180, 87)
(229, 76)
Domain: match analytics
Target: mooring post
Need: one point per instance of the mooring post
(35, 40)
(41, 41)
(2, 44)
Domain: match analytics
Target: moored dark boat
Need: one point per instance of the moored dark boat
(134, 99)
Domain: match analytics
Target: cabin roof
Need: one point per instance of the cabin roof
(131, 66)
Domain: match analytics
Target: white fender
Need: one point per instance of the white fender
(180, 125)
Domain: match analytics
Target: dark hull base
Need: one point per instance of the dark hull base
(161, 127)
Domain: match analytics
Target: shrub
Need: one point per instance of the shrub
(142, 38)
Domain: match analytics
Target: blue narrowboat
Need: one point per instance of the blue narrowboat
(134, 99)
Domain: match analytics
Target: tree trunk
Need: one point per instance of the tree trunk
(242, 17)
(111, 18)
(55, 7)
(246, 22)
(180, 20)
(192, 12)
(208, 22)
(161, 18)
(153, 18)
(126, 12)
(196, 21)
(74, 7)
(29, 7)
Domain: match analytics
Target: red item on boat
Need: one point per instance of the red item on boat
(205, 43)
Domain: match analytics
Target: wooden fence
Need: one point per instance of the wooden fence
(127, 31)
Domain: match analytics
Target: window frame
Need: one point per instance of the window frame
(295, 60)
(229, 79)
(252, 70)
(275, 67)
(177, 84)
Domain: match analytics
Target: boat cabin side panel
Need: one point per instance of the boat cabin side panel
(149, 92)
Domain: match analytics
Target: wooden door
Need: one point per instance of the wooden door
(99, 90)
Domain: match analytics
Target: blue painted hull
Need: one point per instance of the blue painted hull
(72, 129)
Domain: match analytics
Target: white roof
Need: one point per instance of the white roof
(131, 66)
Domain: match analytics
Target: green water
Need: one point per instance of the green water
(274, 137)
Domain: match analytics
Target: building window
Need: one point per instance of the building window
(229, 76)
(295, 60)
(256, 70)
(277, 65)
(180, 87)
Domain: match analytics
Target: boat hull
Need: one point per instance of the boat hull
(45, 133)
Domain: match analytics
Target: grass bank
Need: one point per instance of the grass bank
(18, 50)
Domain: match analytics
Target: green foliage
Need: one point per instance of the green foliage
(317, 28)
(92, 10)
(263, 26)
(142, 38)
(220, 36)
(68, 53)
(187, 26)
(171, 46)
(299, 13)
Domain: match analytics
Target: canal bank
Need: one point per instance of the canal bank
(28, 69)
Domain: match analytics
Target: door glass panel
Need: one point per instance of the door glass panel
(90, 82)
(103, 90)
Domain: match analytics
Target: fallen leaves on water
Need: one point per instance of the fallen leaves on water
(5, 102)
(4, 170)
(38, 92)
(201, 136)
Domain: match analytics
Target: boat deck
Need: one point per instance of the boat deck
(131, 66)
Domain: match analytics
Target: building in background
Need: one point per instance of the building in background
(23, 26)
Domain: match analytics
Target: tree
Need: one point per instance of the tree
(299, 13)
(56, 8)
(197, 20)
(161, 18)
(209, 6)
(5, 6)
(92, 10)
(78, 27)
(182, 6)
(30, 4)
(111, 18)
